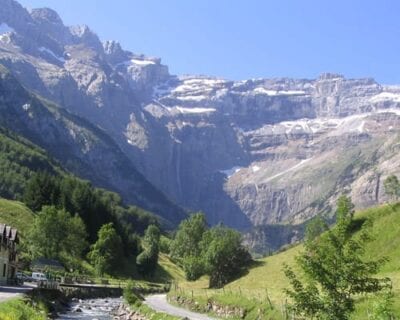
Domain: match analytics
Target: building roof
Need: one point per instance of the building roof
(14, 234)
(43, 263)
(7, 232)
(2, 228)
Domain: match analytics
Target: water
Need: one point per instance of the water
(92, 309)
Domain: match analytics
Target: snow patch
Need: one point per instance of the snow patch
(5, 32)
(288, 170)
(195, 110)
(48, 51)
(261, 90)
(230, 172)
(354, 123)
(161, 90)
(360, 128)
(192, 98)
(26, 106)
(5, 28)
(255, 168)
(142, 62)
(203, 81)
(395, 111)
(386, 96)
(4, 38)
(134, 62)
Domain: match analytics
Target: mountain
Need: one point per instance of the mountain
(253, 154)
(78, 146)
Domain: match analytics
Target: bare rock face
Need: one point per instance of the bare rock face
(251, 153)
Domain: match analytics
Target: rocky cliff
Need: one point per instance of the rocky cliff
(248, 153)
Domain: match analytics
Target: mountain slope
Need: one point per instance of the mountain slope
(267, 277)
(19, 158)
(79, 146)
(250, 153)
(17, 215)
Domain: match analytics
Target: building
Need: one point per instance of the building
(45, 265)
(8, 254)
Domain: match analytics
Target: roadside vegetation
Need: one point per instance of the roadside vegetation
(19, 309)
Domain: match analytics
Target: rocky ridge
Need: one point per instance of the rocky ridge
(251, 153)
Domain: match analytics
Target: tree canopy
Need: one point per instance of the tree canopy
(392, 187)
(55, 233)
(224, 255)
(147, 260)
(334, 269)
(217, 252)
(185, 248)
(106, 253)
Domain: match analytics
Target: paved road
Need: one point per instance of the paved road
(159, 303)
(8, 292)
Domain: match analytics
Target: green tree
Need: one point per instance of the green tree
(185, 248)
(40, 190)
(392, 187)
(224, 255)
(334, 270)
(147, 261)
(106, 253)
(188, 237)
(56, 234)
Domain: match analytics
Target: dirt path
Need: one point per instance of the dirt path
(159, 303)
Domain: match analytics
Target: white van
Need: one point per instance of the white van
(38, 276)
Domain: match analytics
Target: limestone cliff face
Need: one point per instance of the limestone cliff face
(249, 153)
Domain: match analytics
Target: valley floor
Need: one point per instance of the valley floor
(264, 284)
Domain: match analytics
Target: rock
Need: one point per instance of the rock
(254, 154)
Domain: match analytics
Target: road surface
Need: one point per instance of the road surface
(8, 292)
(159, 303)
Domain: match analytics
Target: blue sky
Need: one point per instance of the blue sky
(240, 39)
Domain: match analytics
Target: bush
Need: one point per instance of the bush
(193, 267)
(164, 245)
(129, 295)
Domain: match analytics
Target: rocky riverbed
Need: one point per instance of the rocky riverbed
(100, 309)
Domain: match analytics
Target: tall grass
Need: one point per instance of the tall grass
(17, 309)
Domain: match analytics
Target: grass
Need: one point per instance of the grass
(17, 309)
(266, 281)
(149, 313)
(16, 214)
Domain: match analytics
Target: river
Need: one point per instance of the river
(101, 309)
(91, 309)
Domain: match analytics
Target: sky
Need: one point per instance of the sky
(242, 39)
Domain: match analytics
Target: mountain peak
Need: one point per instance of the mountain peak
(46, 15)
(330, 76)
(87, 36)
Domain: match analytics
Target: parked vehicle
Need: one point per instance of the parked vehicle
(22, 277)
(38, 276)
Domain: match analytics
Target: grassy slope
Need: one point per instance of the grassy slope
(16, 214)
(266, 278)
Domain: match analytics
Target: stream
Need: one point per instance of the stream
(91, 309)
